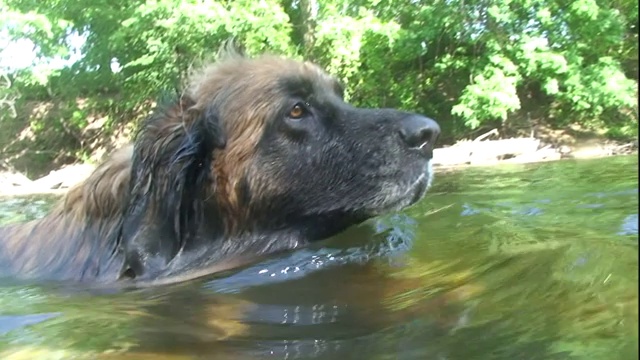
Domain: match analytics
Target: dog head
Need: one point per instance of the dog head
(260, 147)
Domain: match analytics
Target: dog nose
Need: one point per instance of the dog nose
(419, 132)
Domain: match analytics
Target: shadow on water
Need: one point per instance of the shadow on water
(532, 261)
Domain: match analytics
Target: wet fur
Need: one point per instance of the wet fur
(212, 179)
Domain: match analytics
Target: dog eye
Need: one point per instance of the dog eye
(297, 111)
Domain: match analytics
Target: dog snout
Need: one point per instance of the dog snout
(419, 132)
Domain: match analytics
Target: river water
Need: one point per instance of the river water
(536, 261)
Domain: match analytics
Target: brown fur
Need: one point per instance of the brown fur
(254, 102)
(195, 192)
(102, 194)
(66, 238)
(53, 240)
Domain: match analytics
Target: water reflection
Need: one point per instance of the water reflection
(629, 225)
(383, 238)
(12, 322)
(513, 262)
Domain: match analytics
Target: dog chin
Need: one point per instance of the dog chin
(418, 189)
(400, 196)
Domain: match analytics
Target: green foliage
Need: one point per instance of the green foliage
(8, 97)
(492, 94)
(468, 64)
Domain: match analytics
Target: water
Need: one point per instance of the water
(528, 262)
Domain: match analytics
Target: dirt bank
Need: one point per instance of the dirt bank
(481, 151)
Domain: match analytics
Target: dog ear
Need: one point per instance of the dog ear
(170, 178)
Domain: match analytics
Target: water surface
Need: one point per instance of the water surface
(534, 261)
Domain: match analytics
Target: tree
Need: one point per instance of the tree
(7, 96)
(469, 63)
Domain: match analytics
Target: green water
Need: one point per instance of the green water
(532, 261)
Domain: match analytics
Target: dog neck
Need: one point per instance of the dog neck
(152, 248)
(222, 254)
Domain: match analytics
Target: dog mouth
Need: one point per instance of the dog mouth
(418, 188)
(399, 196)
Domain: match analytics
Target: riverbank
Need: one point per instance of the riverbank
(480, 151)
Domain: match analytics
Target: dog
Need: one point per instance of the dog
(256, 155)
